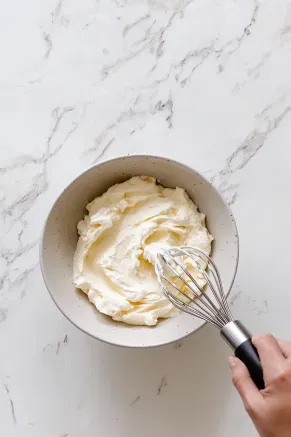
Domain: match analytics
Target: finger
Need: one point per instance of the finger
(285, 347)
(242, 381)
(271, 355)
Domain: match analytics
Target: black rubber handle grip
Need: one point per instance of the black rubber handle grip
(248, 354)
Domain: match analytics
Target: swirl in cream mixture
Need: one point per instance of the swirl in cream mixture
(119, 240)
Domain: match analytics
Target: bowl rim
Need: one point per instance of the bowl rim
(112, 160)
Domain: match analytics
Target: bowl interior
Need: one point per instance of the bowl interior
(60, 239)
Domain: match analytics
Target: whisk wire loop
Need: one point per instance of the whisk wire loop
(214, 310)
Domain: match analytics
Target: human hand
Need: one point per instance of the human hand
(269, 409)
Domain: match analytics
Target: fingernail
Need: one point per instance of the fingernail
(232, 362)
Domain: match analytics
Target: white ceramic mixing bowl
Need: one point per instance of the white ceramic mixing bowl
(60, 238)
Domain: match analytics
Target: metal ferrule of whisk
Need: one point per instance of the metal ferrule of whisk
(235, 334)
(191, 281)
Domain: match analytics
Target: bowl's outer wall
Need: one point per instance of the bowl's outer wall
(60, 239)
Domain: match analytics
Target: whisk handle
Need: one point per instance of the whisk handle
(239, 339)
(248, 354)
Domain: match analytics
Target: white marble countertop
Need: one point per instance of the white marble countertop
(206, 82)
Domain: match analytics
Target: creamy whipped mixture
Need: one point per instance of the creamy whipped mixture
(119, 240)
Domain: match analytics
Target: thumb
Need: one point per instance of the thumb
(244, 384)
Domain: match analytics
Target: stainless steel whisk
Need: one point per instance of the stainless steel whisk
(183, 290)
